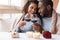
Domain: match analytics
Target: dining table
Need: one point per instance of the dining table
(22, 36)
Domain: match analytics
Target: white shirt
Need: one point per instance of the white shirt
(47, 23)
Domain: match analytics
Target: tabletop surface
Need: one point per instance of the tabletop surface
(22, 36)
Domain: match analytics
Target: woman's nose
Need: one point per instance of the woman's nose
(33, 10)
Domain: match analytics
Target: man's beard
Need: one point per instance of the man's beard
(45, 15)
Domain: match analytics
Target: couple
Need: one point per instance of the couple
(48, 19)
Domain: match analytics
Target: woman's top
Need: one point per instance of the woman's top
(29, 24)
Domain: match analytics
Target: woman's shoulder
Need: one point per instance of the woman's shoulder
(19, 16)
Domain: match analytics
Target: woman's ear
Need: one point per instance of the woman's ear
(48, 7)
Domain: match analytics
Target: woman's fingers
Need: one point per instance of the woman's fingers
(22, 23)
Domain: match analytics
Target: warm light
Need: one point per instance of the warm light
(36, 35)
(29, 34)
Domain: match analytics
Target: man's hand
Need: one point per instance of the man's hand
(37, 27)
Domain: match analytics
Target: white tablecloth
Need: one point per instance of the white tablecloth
(22, 36)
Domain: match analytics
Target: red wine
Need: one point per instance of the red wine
(34, 21)
(27, 20)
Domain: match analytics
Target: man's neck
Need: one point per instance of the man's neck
(49, 15)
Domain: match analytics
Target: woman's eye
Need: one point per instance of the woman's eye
(31, 7)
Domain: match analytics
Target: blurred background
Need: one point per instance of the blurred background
(11, 9)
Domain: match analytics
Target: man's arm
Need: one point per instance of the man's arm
(53, 24)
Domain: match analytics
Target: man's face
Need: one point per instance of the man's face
(42, 9)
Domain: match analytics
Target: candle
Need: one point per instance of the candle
(15, 35)
(29, 34)
(36, 35)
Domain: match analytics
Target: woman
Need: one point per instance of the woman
(29, 11)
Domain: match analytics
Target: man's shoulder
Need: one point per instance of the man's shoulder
(54, 13)
(58, 14)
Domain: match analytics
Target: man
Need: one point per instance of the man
(49, 15)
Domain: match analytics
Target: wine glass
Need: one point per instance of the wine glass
(34, 18)
(27, 17)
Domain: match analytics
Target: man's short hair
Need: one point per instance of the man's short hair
(47, 2)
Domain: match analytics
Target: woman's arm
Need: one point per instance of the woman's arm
(17, 23)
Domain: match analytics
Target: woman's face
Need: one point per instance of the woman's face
(32, 8)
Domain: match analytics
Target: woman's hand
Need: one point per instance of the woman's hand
(22, 23)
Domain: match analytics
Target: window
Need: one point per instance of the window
(17, 3)
(4, 2)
